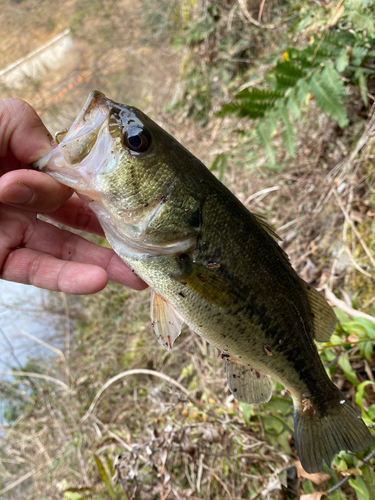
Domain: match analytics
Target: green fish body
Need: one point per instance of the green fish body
(211, 264)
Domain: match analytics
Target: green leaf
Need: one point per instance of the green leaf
(362, 20)
(365, 350)
(358, 54)
(365, 325)
(293, 105)
(220, 162)
(328, 98)
(360, 392)
(307, 486)
(368, 476)
(371, 412)
(265, 140)
(303, 90)
(331, 80)
(341, 315)
(342, 61)
(69, 495)
(347, 369)
(337, 495)
(271, 124)
(246, 413)
(288, 133)
(106, 479)
(359, 485)
(360, 76)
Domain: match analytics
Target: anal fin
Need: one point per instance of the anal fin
(324, 318)
(247, 384)
(165, 320)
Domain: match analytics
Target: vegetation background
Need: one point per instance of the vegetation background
(277, 98)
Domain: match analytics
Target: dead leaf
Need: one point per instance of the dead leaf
(312, 496)
(317, 478)
(353, 338)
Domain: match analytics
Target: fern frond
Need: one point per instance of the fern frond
(303, 91)
(266, 141)
(255, 94)
(288, 132)
(271, 123)
(288, 73)
(251, 103)
(359, 75)
(328, 99)
(293, 105)
(332, 80)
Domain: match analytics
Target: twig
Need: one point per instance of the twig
(13, 389)
(261, 10)
(218, 480)
(140, 371)
(344, 306)
(355, 230)
(247, 13)
(36, 375)
(346, 478)
(18, 481)
(44, 344)
(260, 193)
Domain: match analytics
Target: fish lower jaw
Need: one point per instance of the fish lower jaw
(129, 248)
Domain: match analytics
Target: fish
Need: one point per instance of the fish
(211, 264)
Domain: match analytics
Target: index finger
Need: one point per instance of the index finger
(22, 131)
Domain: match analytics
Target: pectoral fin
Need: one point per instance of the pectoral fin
(324, 317)
(247, 384)
(165, 320)
(207, 283)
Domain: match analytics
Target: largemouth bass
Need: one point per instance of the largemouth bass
(211, 264)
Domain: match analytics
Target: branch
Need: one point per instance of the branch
(353, 313)
(346, 478)
(36, 375)
(140, 371)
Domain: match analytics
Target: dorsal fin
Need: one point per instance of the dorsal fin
(262, 221)
(165, 320)
(245, 383)
(324, 318)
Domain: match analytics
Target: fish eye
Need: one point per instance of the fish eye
(136, 139)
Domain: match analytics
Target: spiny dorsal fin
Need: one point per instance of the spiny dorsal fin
(247, 384)
(165, 320)
(324, 317)
(263, 222)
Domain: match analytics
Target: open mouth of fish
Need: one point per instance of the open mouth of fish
(86, 149)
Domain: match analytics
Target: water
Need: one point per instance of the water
(24, 312)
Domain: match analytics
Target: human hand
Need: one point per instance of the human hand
(33, 251)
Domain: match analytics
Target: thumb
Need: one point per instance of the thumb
(22, 131)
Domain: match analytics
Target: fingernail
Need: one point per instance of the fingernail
(17, 193)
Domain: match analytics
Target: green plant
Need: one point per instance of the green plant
(320, 71)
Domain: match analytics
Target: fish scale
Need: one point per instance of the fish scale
(211, 264)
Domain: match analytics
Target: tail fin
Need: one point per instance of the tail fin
(320, 435)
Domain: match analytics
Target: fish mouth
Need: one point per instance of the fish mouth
(86, 148)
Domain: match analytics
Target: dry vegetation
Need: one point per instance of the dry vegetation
(166, 426)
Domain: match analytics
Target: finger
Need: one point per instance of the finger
(33, 191)
(68, 246)
(44, 271)
(22, 131)
(21, 228)
(75, 213)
